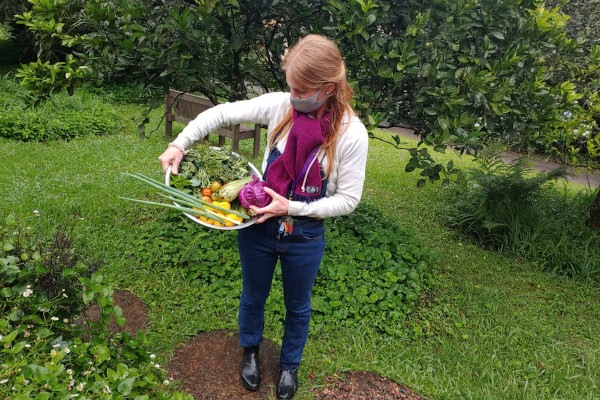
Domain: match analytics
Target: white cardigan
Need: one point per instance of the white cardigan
(345, 182)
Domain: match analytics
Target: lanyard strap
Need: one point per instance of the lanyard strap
(311, 157)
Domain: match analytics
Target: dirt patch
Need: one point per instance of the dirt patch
(363, 385)
(134, 309)
(208, 364)
(208, 367)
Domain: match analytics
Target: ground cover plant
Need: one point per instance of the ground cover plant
(488, 325)
(45, 353)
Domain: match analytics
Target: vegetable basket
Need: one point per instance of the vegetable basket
(250, 171)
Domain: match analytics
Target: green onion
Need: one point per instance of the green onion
(184, 198)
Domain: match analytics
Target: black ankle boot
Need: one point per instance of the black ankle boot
(287, 385)
(249, 371)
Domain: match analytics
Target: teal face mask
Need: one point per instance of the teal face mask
(308, 105)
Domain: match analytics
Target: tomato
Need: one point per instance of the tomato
(215, 186)
(206, 192)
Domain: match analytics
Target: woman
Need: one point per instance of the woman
(314, 167)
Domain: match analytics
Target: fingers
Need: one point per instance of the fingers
(172, 156)
(277, 207)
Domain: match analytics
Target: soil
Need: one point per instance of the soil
(134, 309)
(363, 385)
(208, 364)
(208, 367)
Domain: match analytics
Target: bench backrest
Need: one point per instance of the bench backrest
(184, 107)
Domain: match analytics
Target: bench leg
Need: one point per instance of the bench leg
(236, 143)
(222, 141)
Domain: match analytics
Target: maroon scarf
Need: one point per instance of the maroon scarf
(306, 134)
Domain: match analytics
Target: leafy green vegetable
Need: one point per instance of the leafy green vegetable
(204, 164)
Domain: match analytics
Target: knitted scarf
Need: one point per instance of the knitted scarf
(306, 136)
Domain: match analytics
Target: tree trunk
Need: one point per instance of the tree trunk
(593, 220)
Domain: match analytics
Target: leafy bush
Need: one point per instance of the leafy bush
(44, 353)
(62, 118)
(510, 209)
(372, 271)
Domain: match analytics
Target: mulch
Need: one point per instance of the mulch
(208, 367)
(364, 385)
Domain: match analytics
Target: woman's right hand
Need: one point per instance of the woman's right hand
(172, 156)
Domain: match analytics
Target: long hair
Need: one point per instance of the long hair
(314, 62)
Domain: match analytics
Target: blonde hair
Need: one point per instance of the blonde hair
(314, 62)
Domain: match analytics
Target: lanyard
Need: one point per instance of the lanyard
(311, 158)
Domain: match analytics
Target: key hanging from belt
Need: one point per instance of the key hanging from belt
(286, 227)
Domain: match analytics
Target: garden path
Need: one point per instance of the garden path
(585, 178)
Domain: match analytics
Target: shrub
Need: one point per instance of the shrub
(510, 209)
(469, 72)
(65, 117)
(44, 354)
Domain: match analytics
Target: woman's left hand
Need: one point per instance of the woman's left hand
(277, 207)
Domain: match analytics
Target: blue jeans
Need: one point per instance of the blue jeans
(300, 254)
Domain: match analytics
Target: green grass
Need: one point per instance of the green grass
(490, 327)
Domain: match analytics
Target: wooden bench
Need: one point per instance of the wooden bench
(184, 107)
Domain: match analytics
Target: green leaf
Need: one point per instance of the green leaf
(497, 34)
(88, 296)
(101, 352)
(125, 387)
(430, 111)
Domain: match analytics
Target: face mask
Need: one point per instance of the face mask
(308, 105)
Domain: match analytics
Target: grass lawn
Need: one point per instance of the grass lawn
(490, 327)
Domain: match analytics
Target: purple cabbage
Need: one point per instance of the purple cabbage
(253, 194)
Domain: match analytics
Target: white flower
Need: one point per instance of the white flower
(3, 381)
(106, 389)
(27, 293)
(80, 386)
(70, 371)
(65, 295)
(152, 356)
(67, 350)
(28, 286)
(36, 213)
(66, 320)
(157, 365)
(166, 382)
(28, 345)
(54, 318)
